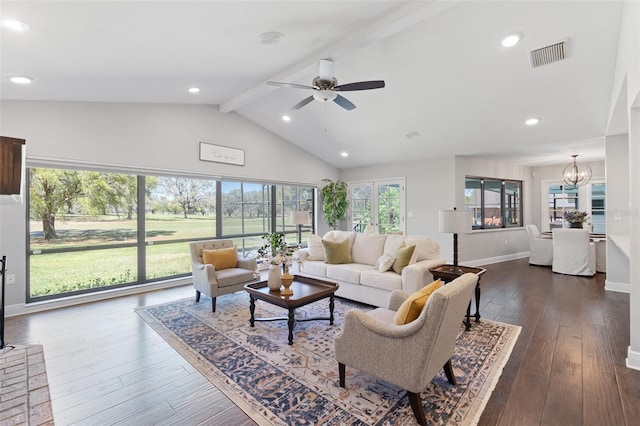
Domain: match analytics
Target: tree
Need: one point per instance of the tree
(53, 191)
(188, 193)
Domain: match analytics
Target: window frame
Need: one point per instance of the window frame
(484, 221)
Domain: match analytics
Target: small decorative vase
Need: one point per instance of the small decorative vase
(575, 225)
(287, 280)
(274, 282)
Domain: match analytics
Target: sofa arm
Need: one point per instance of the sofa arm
(248, 263)
(417, 275)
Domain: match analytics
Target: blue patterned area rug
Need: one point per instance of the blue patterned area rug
(279, 384)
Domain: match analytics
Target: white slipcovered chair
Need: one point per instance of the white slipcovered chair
(573, 253)
(409, 355)
(216, 283)
(540, 247)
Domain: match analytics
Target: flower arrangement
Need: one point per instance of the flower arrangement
(275, 249)
(575, 216)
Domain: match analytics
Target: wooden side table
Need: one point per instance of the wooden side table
(447, 273)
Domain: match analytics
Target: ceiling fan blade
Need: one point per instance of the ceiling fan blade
(344, 103)
(302, 103)
(290, 85)
(360, 85)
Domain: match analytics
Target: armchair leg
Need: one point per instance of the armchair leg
(416, 405)
(197, 296)
(448, 371)
(341, 373)
(213, 304)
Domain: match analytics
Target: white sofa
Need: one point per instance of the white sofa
(360, 281)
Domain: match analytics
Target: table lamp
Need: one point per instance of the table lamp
(455, 222)
(299, 218)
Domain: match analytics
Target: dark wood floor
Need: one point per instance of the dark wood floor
(106, 366)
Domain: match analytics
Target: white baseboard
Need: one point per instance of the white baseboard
(496, 259)
(618, 287)
(27, 308)
(633, 359)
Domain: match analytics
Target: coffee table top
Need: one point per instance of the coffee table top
(305, 291)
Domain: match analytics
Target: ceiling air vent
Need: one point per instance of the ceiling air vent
(548, 54)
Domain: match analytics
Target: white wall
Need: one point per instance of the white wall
(626, 88)
(490, 246)
(139, 137)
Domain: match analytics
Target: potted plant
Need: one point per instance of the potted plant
(575, 218)
(334, 201)
(278, 253)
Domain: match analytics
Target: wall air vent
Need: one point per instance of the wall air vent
(548, 54)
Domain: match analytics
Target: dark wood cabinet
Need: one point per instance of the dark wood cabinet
(10, 165)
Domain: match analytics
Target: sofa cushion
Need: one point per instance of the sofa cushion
(392, 243)
(367, 248)
(403, 256)
(315, 248)
(426, 248)
(384, 263)
(385, 281)
(412, 306)
(233, 276)
(221, 259)
(349, 272)
(341, 236)
(314, 267)
(336, 253)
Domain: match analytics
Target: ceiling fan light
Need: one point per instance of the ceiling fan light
(324, 95)
(15, 25)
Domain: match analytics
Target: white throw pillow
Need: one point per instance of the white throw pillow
(384, 263)
(367, 248)
(316, 251)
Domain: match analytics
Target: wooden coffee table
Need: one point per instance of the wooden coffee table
(305, 290)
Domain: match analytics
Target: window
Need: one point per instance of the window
(494, 203)
(91, 230)
(598, 207)
(558, 198)
(379, 205)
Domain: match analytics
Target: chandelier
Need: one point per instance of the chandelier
(576, 174)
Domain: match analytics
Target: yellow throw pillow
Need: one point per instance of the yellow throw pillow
(402, 257)
(337, 252)
(412, 306)
(222, 258)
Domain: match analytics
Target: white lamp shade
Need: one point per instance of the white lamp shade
(299, 217)
(455, 221)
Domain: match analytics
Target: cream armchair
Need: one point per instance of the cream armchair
(409, 355)
(216, 283)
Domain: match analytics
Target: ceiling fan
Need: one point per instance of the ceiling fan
(325, 87)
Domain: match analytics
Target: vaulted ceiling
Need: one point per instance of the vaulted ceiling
(451, 87)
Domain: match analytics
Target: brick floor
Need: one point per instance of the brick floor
(24, 390)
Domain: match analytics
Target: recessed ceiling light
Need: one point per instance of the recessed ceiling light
(286, 118)
(344, 154)
(15, 25)
(511, 40)
(194, 90)
(532, 121)
(271, 37)
(20, 79)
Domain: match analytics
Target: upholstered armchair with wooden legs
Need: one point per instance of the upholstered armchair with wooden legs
(409, 355)
(212, 282)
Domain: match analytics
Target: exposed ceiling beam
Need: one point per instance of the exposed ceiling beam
(403, 16)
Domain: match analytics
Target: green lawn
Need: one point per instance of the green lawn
(52, 273)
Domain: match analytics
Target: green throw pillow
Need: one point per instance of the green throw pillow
(337, 252)
(402, 256)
